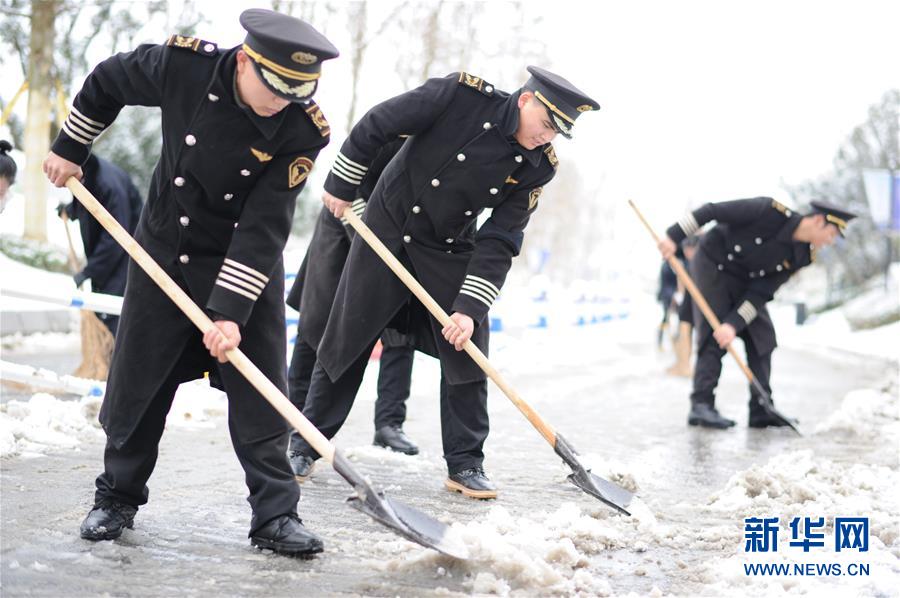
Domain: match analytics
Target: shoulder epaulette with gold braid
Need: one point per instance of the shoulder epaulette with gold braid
(551, 156)
(315, 115)
(476, 83)
(194, 44)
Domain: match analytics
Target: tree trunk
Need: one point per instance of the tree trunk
(37, 124)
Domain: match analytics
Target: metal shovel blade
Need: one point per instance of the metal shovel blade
(765, 401)
(410, 523)
(612, 494)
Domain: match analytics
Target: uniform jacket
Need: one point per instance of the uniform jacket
(752, 248)
(107, 262)
(460, 159)
(317, 280)
(217, 218)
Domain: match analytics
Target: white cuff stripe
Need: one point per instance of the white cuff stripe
(346, 174)
(464, 291)
(76, 127)
(77, 137)
(689, 224)
(235, 289)
(253, 287)
(259, 275)
(747, 311)
(78, 113)
(238, 275)
(358, 207)
(481, 288)
(96, 129)
(353, 182)
(350, 164)
(474, 289)
(483, 281)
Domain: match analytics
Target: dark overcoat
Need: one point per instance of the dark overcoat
(217, 217)
(107, 262)
(750, 253)
(461, 158)
(314, 288)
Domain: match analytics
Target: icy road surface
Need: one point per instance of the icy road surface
(601, 386)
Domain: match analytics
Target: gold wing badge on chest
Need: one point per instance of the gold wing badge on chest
(260, 155)
(298, 171)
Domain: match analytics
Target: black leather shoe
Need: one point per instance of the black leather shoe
(706, 416)
(393, 437)
(763, 419)
(107, 520)
(301, 465)
(286, 535)
(472, 483)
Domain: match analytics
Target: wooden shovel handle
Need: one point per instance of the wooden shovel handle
(688, 283)
(240, 361)
(437, 311)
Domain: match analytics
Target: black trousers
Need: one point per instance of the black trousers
(709, 368)
(464, 418)
(273, 490)
(394, 380)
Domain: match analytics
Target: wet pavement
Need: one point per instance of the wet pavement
(616, 406)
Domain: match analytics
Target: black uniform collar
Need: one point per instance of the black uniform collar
(508, 117)
(227, 77)
(786, 232)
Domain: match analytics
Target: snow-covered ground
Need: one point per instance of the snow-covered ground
(599, 379)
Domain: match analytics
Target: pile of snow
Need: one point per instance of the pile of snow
(878, 306)
(45, 423)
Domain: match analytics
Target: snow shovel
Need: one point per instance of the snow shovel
(608, 492)
(765, 400)
(406, 521)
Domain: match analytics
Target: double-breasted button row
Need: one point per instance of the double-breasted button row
(416, 209)
(407, 238)
(190, 140)
(184, 258)
(184, 220)
(179, 181)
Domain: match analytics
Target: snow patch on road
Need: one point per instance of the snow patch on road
(46, 423)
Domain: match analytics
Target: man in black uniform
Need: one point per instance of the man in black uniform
(240, 135)
(755, 247)
(107, 262)
(470, 147)
(312, 294)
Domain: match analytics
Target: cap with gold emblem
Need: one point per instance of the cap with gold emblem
(833, 214)
(286, 52)
(564, 101)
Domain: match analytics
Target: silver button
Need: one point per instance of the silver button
(407, 238)
(213, 97)
(235, 225)
(762, 272)
(228, 196)
(468, 212)
(435, 182)
(190, 140)
(449, 240)
(416, 209)
(208, 48)
(788, 213)
(179, 181)
(184, 258)
(758, 241)
(489, 88)
(720, 267)
(779, 267)
(737, 248)
(184, 220)
(245, 172)
(519, 159)
(730, 257)
(494, 191)
(486, 126)
(753, 275)
(460, 157)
